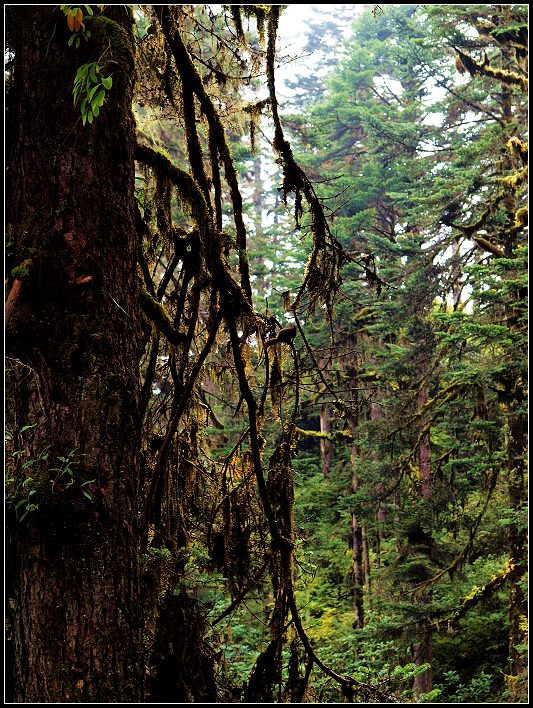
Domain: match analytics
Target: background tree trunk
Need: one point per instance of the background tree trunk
(73, 562)
(357, 554)
(326, 446)
(423, 649)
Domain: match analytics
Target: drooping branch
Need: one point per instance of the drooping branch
(173, 425)
(215, 178)
(322, 274)
(237, 601)
(347, 682)
(188, 190)
(189, 73)
(210, 250)
(255, 436)
(194, 148)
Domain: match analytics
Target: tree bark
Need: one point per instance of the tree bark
(73, 562)
(366, 565)
(518, 609)
(424, 453)
(423, 648)
(326, 446)
(423, 654)
(514, 403)
(259, 238)
(357, 553)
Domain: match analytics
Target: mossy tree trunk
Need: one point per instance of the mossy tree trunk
(514, 405)
(73, 562)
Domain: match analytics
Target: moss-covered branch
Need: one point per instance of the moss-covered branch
(210, 250)
(159, 317)
(324, 436)
(445, 618)
(188, 189)
(509, 78)
(192, 79)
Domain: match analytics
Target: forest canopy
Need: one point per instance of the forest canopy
(266, 353)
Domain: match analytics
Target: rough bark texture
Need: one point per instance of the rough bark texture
(423, 649)
(326, 446)
(424, 453)
(182, 665)
(74, 626)
(514, 402)
(423, 654)
(518, 607)
(357, 554)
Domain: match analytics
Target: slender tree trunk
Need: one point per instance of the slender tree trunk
(357, 555)
(366, 565)
(259, 238)
(357, 543)
(326, 446)
(381, 514)
(423, 649)
(457, 283)
(358, 566)
(424, 452)
(73, 562)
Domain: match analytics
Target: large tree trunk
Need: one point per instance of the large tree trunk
(514, 404)
(73, 561)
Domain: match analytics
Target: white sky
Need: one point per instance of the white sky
(293, 25)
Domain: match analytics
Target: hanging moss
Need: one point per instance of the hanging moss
(517, 148)
(235, 11)
(521, 217)
(260, 13)
(254, 110)
(163, 194)
(188, 191)
(517, 179)
(190, 74)
(194, 147)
